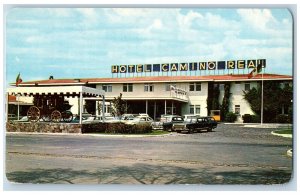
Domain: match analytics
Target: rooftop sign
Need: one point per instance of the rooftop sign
(191, 66)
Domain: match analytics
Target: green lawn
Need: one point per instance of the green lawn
(284, 131)
(157, 132)
(154, 132)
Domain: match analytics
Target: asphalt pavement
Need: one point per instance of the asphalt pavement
(231, 154)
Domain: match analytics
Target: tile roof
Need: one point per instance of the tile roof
(216, 78)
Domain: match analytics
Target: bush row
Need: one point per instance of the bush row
(280, 118)
(248, 118)
(116, 128)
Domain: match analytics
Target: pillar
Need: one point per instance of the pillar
(165, 106)
(154, 116)
(17, 98)
(97, 108)
(103, 108)
(80, 107)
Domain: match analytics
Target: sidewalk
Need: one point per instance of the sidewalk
(96, 134)
(259, 125)
(282, 135)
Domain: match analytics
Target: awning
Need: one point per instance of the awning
(78, 91)
(57, 90)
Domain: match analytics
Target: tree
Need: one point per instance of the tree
(225, 102)
(118, 106)
(212, 100)
(274, 99)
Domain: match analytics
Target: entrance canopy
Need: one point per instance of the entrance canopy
(56, 90)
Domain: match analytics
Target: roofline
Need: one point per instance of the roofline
(155, 79)
(150, 81)
(255, 79)
(149, 98)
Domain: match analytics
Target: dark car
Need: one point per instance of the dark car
(170, 121)
(202, 123)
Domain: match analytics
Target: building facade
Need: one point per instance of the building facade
(158, 95)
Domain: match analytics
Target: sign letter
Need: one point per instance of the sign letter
(114, 69)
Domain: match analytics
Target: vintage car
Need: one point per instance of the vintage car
(126, 117)
(158, 125)
(140, 120)
(170, 120)
(207, 123)
(190, 117)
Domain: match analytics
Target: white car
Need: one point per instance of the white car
(139, 120)
(126, 117)
(190, 118)
(92, 119)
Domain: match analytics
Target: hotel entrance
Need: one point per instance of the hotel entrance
(154, 108)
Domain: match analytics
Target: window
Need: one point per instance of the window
(148, 87)
(168, 86)
(127, 87)
(247, 86)
(191, 109)
(237, 109)
(195, 87)
(197, 109)
(107, 87)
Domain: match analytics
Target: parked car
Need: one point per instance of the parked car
(126, 117)
(201, 123)
(140, 120)
(143, 114)
(158, 125)
(170, 120)
(92, 119)
(190, 117)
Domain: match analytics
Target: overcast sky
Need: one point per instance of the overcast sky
(84, 43)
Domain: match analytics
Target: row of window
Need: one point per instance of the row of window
(149, 87)
(195, 109)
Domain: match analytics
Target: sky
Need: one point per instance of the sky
(86, 42)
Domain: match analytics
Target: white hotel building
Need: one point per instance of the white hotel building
(157, 95)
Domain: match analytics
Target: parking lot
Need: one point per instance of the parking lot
(230, 154)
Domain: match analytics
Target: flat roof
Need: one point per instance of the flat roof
(64, 90)
(156, 79)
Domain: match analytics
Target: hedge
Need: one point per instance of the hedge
(230, 117)
(116, 128)
(248, 118)
(283, 118)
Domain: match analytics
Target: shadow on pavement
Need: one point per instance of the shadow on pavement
(148, 174)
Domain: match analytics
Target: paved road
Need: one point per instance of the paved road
(230, 154)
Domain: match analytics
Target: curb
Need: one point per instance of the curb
(290, 152)
(259, 125)
(282, 135)
(93, 135)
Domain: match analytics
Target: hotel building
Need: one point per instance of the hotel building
(158, 95)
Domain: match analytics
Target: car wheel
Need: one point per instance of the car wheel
(209, 129)
(191, 130)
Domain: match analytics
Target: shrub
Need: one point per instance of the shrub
(116, 128)
(247, 118)
(230, 117)
(283, 118)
